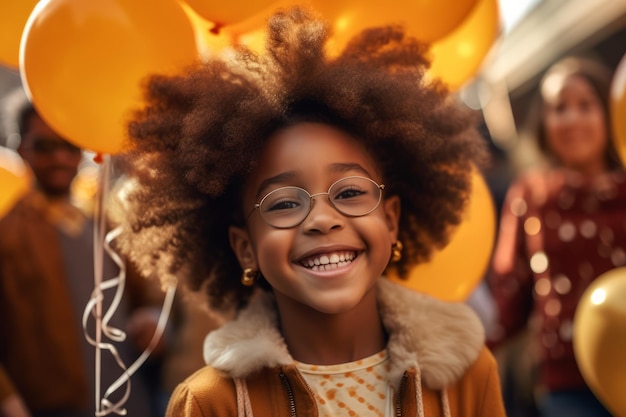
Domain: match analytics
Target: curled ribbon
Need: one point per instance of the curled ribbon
(104, 405)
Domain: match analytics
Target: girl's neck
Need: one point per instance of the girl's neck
(327, 339)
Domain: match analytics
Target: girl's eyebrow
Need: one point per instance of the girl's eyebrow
(289, 176)
(281, 178)
(342, 167)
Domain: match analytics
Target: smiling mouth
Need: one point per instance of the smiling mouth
(328, 261)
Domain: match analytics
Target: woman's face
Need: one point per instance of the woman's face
(353, 251)
(575, 123)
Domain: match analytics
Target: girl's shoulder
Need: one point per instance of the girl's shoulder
(478, 392)
(197, 394)
(442, 339)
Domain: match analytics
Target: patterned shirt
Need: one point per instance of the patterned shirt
(359, 388)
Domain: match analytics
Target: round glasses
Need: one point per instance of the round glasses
(287, 207)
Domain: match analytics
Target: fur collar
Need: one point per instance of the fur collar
(439, 339)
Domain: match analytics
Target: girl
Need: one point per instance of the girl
(561, 228)
(285, 185)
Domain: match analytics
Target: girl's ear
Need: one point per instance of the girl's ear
(391, 207)
(241, 244)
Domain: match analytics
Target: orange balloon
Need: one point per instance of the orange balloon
(13, 17)
(618, 108)
(457, 57)
(15, 179)
(456, 270)
(83, 61)
(210, 42)
(227, 12)
(599, 338)
(424, 19)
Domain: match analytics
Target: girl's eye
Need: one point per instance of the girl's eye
(283, 204)
(348, 193)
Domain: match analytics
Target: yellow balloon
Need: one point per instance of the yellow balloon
(426, 20)
(13, 17)
(456, 270)
(83, 62)
(15, 179)
(457, 57)
(224, 13)
(599, 338)
(618, 108)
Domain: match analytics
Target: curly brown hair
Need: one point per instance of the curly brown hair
(201, 133)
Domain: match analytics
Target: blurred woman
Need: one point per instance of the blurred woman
(561, 227)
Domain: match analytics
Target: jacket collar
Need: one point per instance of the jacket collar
(441, 340)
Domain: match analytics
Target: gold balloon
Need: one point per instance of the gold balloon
(618, 108)
(15, 179)
(83, 63)
(225, 13)
(600, 338)
(13, 17)
(425, 20)
(457, 57)
(456, 270)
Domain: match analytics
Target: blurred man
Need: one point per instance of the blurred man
(47, 367)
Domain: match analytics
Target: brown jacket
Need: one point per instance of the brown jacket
(39, 345)
(436, 350)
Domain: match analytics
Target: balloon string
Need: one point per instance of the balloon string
(104, 405)
(162, 322)
(97, 295)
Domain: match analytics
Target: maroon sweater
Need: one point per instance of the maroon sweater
(558, 233)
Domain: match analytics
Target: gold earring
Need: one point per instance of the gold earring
(396, 251)
(248, 277)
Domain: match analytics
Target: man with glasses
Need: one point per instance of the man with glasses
(47, 366)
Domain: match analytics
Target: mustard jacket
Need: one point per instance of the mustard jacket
(440, 366)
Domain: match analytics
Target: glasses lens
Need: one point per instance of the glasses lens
(285, 207)
(355, 196)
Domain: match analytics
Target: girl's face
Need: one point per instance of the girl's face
(575, 123)
(313, 156)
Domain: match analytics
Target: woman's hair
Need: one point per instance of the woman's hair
(599, 78)
(201, 133)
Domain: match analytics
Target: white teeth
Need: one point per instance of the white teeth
(329, 261)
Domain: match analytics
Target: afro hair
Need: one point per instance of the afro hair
(201, 131)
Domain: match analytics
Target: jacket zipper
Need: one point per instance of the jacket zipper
(292, 401)
(399, 396)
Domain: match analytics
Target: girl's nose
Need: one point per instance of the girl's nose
(323, 217)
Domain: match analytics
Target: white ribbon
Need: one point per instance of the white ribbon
(104, 406)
